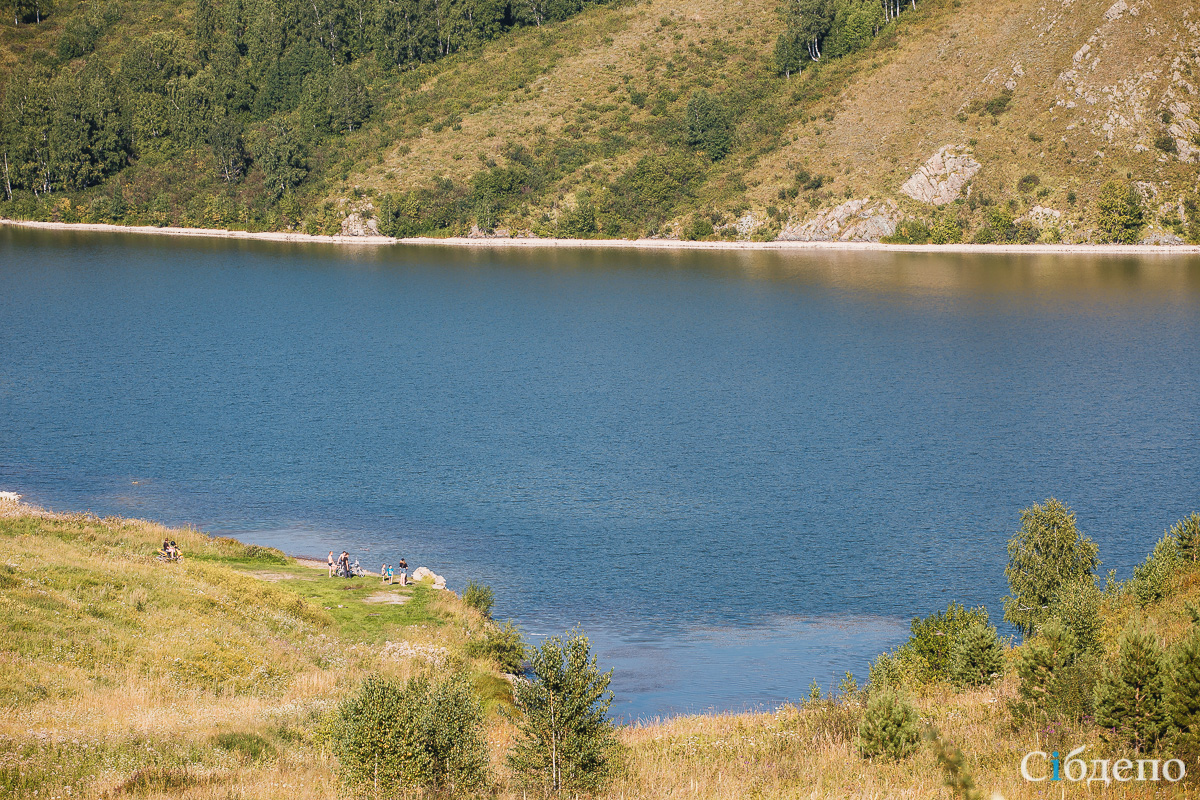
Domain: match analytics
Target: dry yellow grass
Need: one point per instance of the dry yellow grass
(96, 704)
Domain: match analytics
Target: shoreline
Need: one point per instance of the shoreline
(626, 244)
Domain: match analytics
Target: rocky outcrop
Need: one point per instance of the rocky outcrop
(425, 573)
(1042, 216)
(853, 221)
(943, 177)
(357, 224)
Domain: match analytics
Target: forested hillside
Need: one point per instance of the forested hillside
(922, 120)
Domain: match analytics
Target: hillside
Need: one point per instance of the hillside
(219, 677)
(656, 118)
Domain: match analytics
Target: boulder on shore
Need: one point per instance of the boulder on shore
(425, 573)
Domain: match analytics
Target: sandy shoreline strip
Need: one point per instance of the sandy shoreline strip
(639, 244)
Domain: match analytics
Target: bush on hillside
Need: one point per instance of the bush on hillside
(1054, 681)
(709, 125)
(1045, 554)
(504, 644)
(909, 231)
(1119, 214)
(934, 637)
(889, 727)
(426, 733)
(976, 657)
(1130, 699)
(1152, 578)
(479, 597)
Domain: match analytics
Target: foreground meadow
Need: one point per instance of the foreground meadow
(218, 678)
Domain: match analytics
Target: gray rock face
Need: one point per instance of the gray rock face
(942, 178)
(357, 224)
(853, 221)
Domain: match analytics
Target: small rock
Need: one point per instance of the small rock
(1115, 10)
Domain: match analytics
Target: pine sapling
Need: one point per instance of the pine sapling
(889, 728)
(976, 657)
(1129, 697)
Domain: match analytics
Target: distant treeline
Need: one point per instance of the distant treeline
(247, 83)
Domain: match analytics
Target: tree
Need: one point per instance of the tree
(889, 727)
(1040, 667)
(349, 103)
(566, 740)
(1129, 697)
(280, 156)
(225, 140)
(1186, 533)
(1046, 553)
(976, 657)
(790, 52)
(709, 125)
(1119, 213)
(808, 21)
(1183, 693)
(933, 637)
(425, 733)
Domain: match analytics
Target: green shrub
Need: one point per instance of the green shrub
(504, 644)
(1152, 578)
(698, 228)
(479, 597)
(909, 231)
(889, 727)
(1129, 697)
(985, 235)
(933, 637)
(1028, 183)
(1040, 667)
(566, 741)
(946, 230)
(1166, 143)
(709, 125)
(976, 657)
(1119, 214)
(957, 778)
(426, 733)
(1046, 553)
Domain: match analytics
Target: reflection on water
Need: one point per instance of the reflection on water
(738, 471)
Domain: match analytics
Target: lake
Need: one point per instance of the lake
(736, 471)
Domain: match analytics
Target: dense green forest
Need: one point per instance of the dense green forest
(243, 92)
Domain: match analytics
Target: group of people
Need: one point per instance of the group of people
(388, 572)
(170, 551)
(342, 567)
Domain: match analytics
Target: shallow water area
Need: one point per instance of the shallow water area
(737, 471)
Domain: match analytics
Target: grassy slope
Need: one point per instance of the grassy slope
(117, 670)
(868, 120)
(123, 676)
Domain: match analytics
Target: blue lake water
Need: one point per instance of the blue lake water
(737, 472)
